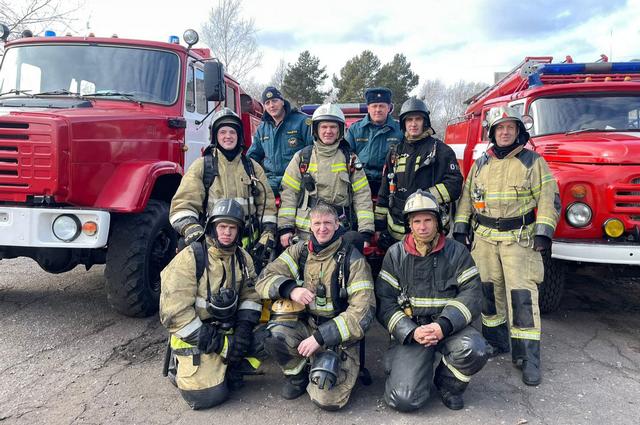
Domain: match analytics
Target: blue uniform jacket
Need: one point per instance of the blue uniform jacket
(273, 147)
(371, 142)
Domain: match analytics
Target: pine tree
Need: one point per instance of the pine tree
(398, 77)
(303, 80)
(355, 76)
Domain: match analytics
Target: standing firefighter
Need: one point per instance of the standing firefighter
(428, 294)
(372, 136)
(209, 305)
(502, 191)
(284, 131)
(419, 162)
(327, 172)
(325, 304)
(225, 172)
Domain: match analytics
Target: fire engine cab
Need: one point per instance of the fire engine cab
(95, 135)
(586, 124)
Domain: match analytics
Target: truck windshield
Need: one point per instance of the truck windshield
(574, 114)
(107, 71)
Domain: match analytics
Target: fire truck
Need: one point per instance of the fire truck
(95, 134)
(584, 119)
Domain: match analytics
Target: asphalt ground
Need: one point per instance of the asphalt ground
(68, 358)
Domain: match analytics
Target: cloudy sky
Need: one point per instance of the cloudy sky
(450, 40)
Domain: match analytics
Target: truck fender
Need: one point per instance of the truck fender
(131, 184)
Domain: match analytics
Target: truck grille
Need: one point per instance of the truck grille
(26, 157)
(626, 198)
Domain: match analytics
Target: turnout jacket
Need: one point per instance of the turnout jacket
(510, 187)
(443, 284)
(232, 182)
(342, 327)
(183, 299)
(440, 175)
(333, 182)
(273, 146)
(371, 142)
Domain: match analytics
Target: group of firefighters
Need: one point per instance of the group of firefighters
(430, 288)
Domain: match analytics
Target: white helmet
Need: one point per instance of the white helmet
(328, 112)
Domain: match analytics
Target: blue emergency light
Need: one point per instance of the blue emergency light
(49, 33)
(582, 68)
(174, 39)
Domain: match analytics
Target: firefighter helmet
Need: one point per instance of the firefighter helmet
(422, 201)
(226, 117)
(286, 309)
(225, 210)
(325, 370)
(328, 112)
(414, 105)
(501, 114)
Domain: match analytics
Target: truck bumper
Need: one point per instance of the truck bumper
(597, 252)
(33, 227)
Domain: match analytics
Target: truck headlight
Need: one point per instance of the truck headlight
(578, 214)
(66, 227)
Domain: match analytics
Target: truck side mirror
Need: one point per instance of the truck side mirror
(214, 87)
(4, 32)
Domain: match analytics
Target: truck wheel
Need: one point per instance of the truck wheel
(140, 246)
(551, 289)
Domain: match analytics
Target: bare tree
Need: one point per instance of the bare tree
(253, 88)
(277, 79)
(232, 39)
(38, 15)
(447, 102)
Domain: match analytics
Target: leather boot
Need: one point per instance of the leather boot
(295, 386)
(449, 387)
(526, 354)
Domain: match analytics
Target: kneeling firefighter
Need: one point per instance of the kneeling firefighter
(210, 306)
(324, 303)
(428, 294)
(225, 172)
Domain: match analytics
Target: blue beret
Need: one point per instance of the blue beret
(377, 95)
(271, 93)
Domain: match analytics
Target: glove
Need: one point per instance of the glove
(541, 243)
(210, 339)
(242, 338)
(192, 233)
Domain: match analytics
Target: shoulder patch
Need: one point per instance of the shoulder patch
(527, 157)
(308, 121)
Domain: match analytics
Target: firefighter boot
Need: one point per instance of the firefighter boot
(449, 387)
(296, 385)
(526, 355)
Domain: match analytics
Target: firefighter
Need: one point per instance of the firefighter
(326, 172)
(428, 294)
(211, 317)
(372, 136)
(324, 304)
(503, 189)
(419, 162)
(228, 173)
(284, 131)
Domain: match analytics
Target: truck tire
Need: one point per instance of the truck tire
(140, 246)
(552, 287)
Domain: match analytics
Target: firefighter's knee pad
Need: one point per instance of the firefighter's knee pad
(522, 307)
(405, 399)
(206, 398)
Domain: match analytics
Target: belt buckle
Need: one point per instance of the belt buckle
(498, 224)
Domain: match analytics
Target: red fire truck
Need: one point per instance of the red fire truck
(95, 134)
(585, 121)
